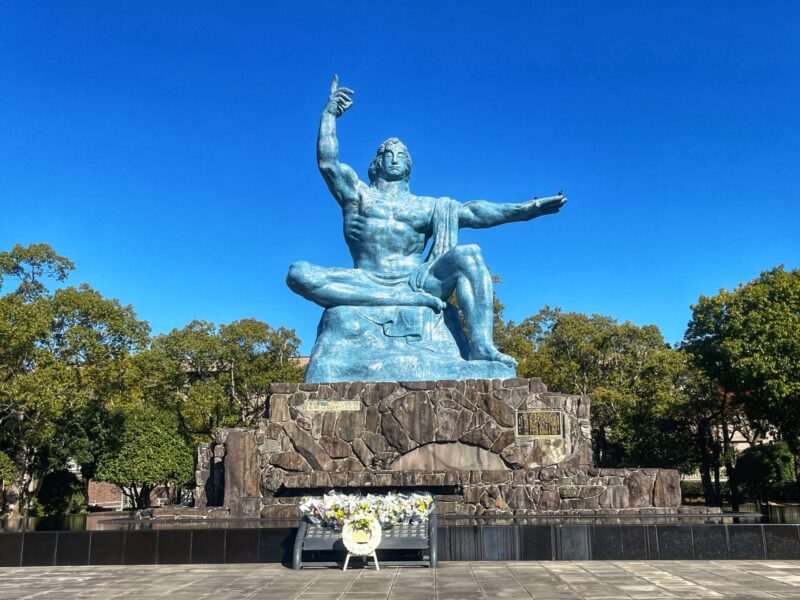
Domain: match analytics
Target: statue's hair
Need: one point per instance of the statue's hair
(375, 166)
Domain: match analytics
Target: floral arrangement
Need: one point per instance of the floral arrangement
(335, 509)
(361, 534)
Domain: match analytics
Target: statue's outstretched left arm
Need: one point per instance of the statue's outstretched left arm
(480, 214)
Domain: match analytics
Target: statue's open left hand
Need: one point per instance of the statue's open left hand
(551, 205)
(339, 100)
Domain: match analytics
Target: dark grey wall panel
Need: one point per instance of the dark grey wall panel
(675, 542)
(573, 542)
(276, 544)
(72, 548)
(783, 541)
(208, 546)
(710, 542)
(140, 547)
(174, 547)
(241, 546)
(500, 542)
(106, 547)
(10, 549)
(606, 542)
(746, 542)
(536, 542)
(634, 542)
(464, 543)
(39, 549)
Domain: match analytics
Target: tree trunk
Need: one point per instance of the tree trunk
(705, 449)
(143, 500)
(21, 495)
(599, 445)
(11, 501)
(727, 451)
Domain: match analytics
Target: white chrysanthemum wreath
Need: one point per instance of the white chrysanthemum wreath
(361, 534)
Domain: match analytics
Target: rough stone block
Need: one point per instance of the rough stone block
(615, 496)
(640, 486)
(289, 461)
(667, 488)
(308, 447)
(242, 466)
(335, 447)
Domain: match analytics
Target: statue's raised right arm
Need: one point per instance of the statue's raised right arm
(341, 179)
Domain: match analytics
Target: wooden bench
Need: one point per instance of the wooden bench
(415, 536)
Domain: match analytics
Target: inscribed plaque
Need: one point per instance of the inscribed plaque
(540, 424)
(331, 405)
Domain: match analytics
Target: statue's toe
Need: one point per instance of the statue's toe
(507, 360)
(493, 354)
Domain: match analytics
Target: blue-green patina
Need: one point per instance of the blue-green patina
(387, 318)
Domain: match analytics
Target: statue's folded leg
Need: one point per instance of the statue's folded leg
(462, 270)
(331, 287)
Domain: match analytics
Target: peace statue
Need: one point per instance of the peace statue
(387, 318)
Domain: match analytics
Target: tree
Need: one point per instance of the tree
(761, 467)
(747, 343)
(29, 265)
(150, 451)
(61, 352)
(637, 383)
(61, 493)
(217, 376)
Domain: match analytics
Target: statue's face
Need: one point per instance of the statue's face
(394, 163)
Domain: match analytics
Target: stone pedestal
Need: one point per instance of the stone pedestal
(389, 343)
(491, 446)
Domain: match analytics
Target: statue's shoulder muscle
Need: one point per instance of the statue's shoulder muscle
(354, 200)
(423, 210)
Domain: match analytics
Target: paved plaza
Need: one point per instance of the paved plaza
(452, 581)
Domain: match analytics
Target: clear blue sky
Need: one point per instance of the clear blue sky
(168, 148)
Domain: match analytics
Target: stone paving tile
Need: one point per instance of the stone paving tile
(621, 580)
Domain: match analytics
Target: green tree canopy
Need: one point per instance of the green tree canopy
(747, 344)
(218, 376)
(636, 382)
(62, 352)
(150, 451)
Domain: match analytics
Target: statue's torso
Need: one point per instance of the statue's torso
(387, 234)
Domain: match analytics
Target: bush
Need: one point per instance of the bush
(763, 468)
(61, 494)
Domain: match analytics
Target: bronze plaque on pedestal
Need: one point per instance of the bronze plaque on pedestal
(540, 424)
(331, 405)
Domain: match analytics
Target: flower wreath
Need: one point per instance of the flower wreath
(356, 525)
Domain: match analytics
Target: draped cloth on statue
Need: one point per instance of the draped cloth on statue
(445, 237)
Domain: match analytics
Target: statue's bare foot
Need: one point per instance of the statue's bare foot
(489, 352)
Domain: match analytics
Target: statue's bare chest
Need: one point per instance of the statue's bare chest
(394, 212)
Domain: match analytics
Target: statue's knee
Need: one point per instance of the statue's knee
(298, 275)
(470, 254)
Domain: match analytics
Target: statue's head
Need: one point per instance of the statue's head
(392, 162)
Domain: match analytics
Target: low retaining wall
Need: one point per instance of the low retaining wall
(455, 542)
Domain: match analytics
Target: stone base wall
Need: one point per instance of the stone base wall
(462, 439)
(523, 492)
(420, 426)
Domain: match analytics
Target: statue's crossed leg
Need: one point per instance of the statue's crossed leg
(461, 269)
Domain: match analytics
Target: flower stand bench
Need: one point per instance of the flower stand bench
(411, 537)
